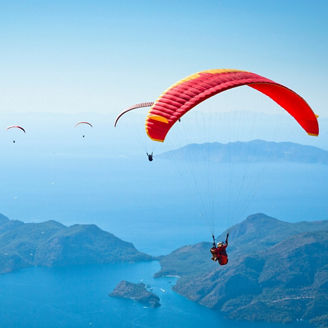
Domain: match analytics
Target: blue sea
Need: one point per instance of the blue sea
(159, 206)
(78, 297)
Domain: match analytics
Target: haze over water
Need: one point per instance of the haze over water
(161, 205)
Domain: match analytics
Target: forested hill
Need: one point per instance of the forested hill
(277, 272)
(252, 151)
(51, 243)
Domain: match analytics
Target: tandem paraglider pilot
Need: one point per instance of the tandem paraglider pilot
(219, 252)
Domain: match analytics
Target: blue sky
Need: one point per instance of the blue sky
(61, 59)
(99, 56)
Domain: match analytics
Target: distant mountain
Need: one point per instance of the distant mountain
(50, 244)
(252, 151)
(277, 272)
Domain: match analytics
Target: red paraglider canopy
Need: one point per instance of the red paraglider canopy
(189, 92)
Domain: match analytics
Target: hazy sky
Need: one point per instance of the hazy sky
(99, 56)
(61, 58)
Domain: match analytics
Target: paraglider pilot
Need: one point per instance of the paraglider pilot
(219, 251)
(150, 157)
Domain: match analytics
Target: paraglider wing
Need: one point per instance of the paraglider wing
(87, 123)
(141, 105)
(189, 92)
(16, 127)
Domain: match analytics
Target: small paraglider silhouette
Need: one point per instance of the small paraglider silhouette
(150, 157)
(86, 123)
(16, 127)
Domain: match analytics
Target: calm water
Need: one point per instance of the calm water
(78, 297)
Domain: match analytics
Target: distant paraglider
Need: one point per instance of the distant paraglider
(16, 127)
(136, 106)
(84, 123)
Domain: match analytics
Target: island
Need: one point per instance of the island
(136, 292)
(50, 244)
(277, 272)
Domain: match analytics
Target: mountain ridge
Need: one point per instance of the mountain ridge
(248, 152)
(277, 272)
(51, 243)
